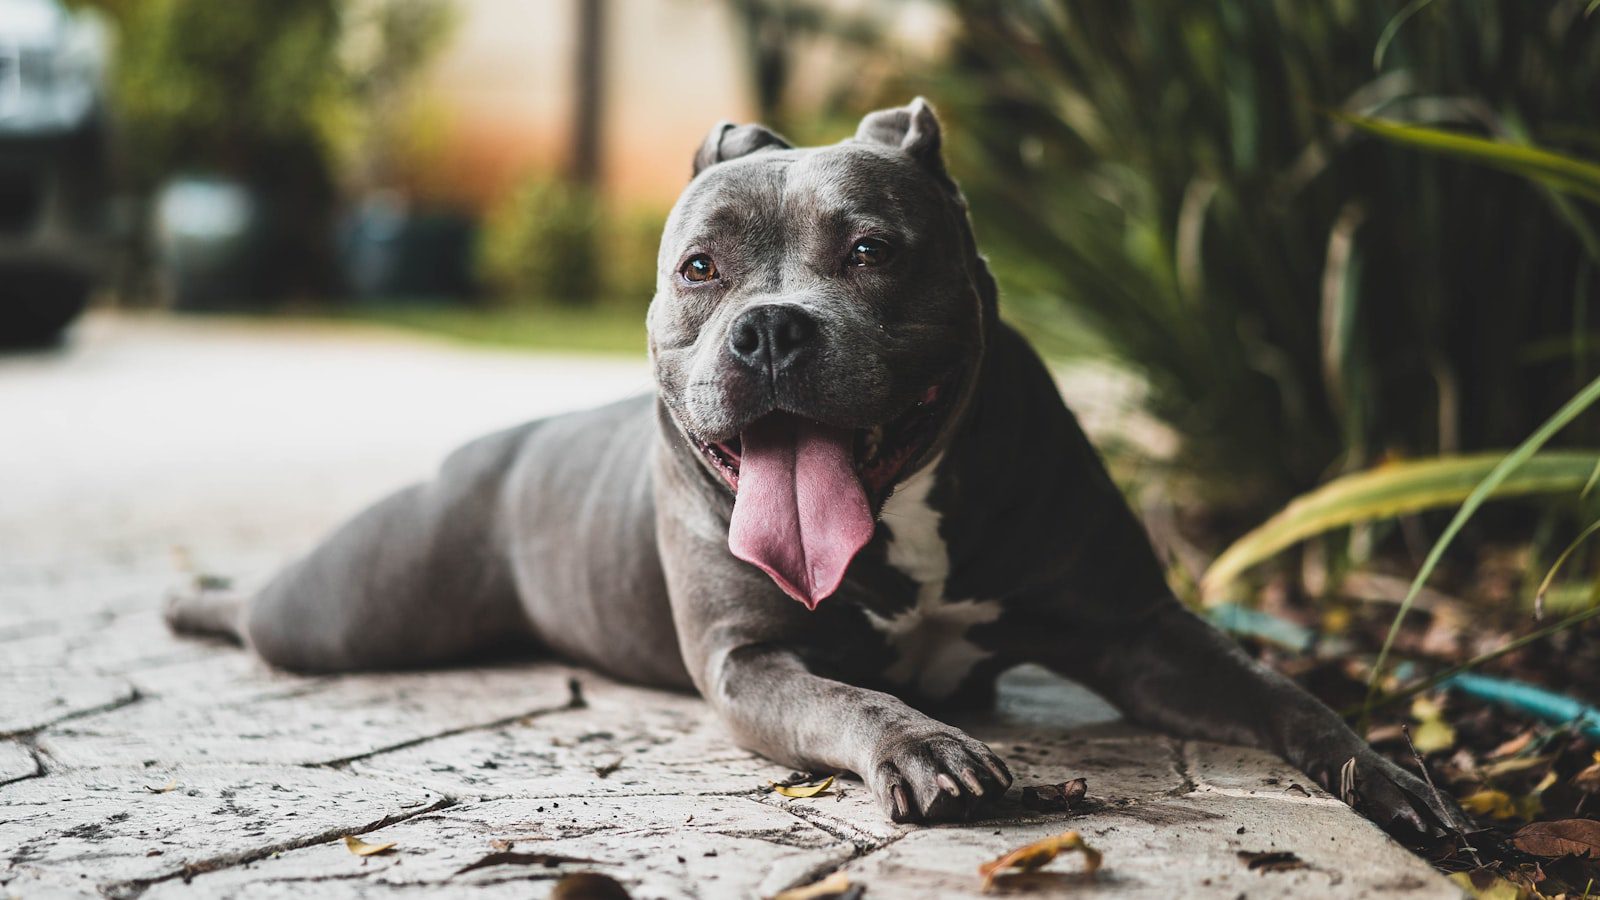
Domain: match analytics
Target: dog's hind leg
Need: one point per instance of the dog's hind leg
(419, 578)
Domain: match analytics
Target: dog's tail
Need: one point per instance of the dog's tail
(202, 609)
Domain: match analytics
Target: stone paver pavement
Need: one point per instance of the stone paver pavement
(135, 764)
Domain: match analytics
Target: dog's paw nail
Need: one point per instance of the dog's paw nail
(970, 779)
(999, 770)
(948, 784)
(897, 796)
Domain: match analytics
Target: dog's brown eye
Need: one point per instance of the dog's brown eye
(698, 268)
(869, 252)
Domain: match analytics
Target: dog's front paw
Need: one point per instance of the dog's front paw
(1398, 801)
(935, 775)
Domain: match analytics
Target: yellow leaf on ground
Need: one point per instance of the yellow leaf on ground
(1336, 620)
(1491, 803)
(803, 790)
(1031, 856)
(1432, 733)
(362, 848)
(834, 884)
(1497, 889)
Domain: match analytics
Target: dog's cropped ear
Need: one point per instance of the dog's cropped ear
(729, 141)
(912, 128)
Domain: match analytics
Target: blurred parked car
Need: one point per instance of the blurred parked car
(53, 166)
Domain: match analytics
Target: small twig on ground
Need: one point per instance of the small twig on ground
(1438, 797)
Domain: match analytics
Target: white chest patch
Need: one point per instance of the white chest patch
(930, 638)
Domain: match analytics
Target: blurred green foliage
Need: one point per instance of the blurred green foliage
(555, 241)
(227, 87)
(253, 89)
(1302, 298)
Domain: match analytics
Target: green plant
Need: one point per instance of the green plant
(554, 241)
(1415, 486)
(1391, 490)
(1420, 485)
(1302, 298)
(542, 243)
(633, 238)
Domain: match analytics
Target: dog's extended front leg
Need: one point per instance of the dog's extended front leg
(919, 769)
(1173, 671)
(742, 642)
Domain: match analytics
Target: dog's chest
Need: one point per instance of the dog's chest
(929, 639)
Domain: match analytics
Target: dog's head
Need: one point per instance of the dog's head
(817, 326)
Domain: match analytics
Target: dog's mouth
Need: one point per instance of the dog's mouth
(805, 491)
(881, 452)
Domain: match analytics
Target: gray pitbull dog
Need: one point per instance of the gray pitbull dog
(842, 420)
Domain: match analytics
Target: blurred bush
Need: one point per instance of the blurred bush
(232, 87)
(554, 241)
(222, 86)
(1302, 298)
(294, 99)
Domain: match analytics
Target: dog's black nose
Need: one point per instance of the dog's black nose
(771, 337)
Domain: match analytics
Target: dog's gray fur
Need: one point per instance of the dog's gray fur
(602, 536)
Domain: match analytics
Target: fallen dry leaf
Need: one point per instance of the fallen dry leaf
(803, 790)
(362, 848)
(167, 788)
(1516, 764)
(832, 886)
(1055, 797)
(1271, 860)
(1512, 747)
(1564, 837)
(1032, 856)
(1491, 803)
(1588, 779)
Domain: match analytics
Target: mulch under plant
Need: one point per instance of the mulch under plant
(1530, 781)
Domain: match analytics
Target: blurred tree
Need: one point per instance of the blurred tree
(588, 98)
(284, 97)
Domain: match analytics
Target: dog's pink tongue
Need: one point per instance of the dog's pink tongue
(800, 514)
